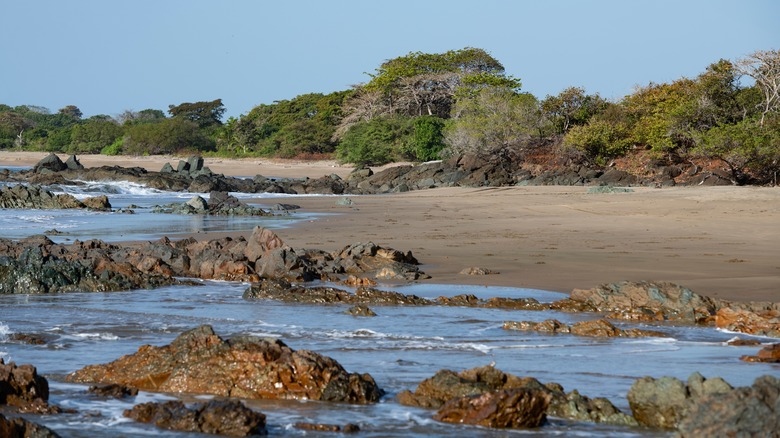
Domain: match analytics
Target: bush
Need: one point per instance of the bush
(114, 148)
(375, 142)
(428, 138)
(599, 139)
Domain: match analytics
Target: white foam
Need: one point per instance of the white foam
(99, 336)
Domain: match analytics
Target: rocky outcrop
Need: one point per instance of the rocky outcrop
(22, 196)
(664, 402)
(647, 301)
(446, 385)
(219, 204)
(21, 428)
(595, 328)
(512, 408)
(761, 320)
(23, 389)
(752, 411)
(282, 290)
(200, 362)
(113, 390)
(216, 417)
(37, 265)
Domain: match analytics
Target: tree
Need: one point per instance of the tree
(424, 84)
(203, 114)
(12, 128)
(493, 122)
(375, 142)
(168, 136)
(764, 67)
(428, 138)
(571, 107)
(71, 111)
(94, 134)
(144, 116)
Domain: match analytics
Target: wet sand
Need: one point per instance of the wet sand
(722, 242)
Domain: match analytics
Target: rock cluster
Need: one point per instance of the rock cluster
(707, 407)
(447, 385)
(595, 328)
(22, 196)
(217, 417)
(200, 362)
(219, 204)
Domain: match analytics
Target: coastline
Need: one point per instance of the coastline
(720, 242)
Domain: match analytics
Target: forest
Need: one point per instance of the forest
(421, 107)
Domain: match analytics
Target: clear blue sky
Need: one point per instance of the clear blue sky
(106, 56)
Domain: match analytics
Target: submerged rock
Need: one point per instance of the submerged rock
(216, 417)
(595, 328)
(319, 427)
(200, 362)
(446, 385)
(768, 354)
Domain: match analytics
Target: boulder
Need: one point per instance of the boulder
(513, 408)
(446, 385)
(99, 203)
(200, 362)
(21, 428)
(625, 299)
(752, 411)
(72, 163)
(754, 322)
(21, 196)
(23, 389)
(113, 390)
(768, 354)
(594, 328)
(216, 417)
(49, 163)
(664, 402)
(261, 242)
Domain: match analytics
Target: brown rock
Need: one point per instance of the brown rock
(513, 408)
(737, 342)
(478, 271)
(97, 203)
(317, 427)
(768, 354)
(21, 428)
(360, 310)
(762, 323)
(22, 388)
(217, 417)
(200, 362)
(595, 328)
(113, 390)
(261, 242)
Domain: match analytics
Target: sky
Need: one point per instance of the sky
(107, 56)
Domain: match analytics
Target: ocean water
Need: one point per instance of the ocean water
(400, 347)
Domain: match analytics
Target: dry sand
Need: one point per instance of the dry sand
(719, 241)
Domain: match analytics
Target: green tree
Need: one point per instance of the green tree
(428, 138)
(571, 107)
(71, 111)
(94, 134)
(174, 135)
(204, 114)
(376, 142)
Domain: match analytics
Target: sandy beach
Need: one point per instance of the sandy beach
(721, 242)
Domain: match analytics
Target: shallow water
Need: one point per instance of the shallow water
(400, 347)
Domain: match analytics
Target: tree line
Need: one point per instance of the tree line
(424, 106)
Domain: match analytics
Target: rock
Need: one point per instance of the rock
(595, 328)
(26, 338)
(352, 280)
(216, 417)
(513, 408)
(99, 203)
(768, 354)
(752, 411)
(664, 402)
(25, 197)
(113, 390)
(360, 310)
(672, 301)
(167, 168)
(345, 201)
(72, 163)
(737, 342)
(478, 271)
(21, 428)
(199, 204)
(22, 388)
(446, 385)
(761, 323)
(50, 163)
(200, 362)
(317, 427)
(261, 242)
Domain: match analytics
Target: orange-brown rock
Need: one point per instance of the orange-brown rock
(768, 354)
(513, 408)
(763, 323)
(200, 362)
(216, 417)
(22, 388)
(595, 328)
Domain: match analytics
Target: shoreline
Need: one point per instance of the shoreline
(718, 241)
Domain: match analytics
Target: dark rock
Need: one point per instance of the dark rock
(50, 163)
(167, 168)
(113, 390)
(513, 408)
(21, 428)
(99, 203)
(22, 388)
(317, 427)
(72, 163)
(737, 342)
(200, 362)
(752, 411)
(26, 338)
(21, 196)
(216, 417)
(360, 310)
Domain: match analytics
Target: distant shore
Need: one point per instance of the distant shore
(721, 241)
